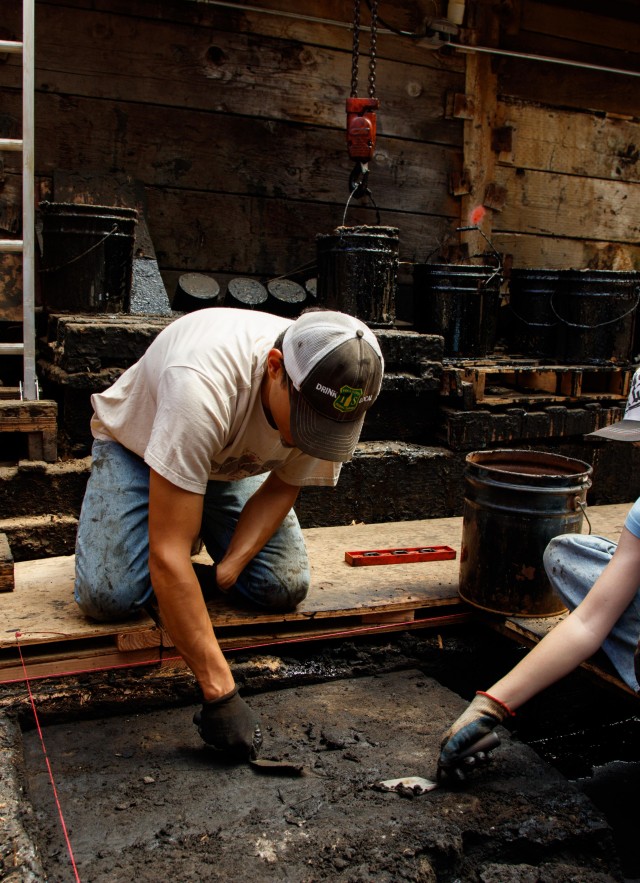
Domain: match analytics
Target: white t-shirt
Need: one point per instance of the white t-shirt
(191, 406)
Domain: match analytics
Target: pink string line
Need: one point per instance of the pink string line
(46, 757)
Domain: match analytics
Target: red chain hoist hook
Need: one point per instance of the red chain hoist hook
(361, 112)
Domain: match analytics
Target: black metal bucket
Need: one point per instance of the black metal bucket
(533, 326)
(515, 502)
(358, 272)
(596, 311)
(87, 257)
(459, 302)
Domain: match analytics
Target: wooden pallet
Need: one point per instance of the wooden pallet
(343, 601)
(37, 419)
(529, 382)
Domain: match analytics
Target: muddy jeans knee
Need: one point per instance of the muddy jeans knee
(112, 543)
(573, 562)
(278, 578)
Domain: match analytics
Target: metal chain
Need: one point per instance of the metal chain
(355, 58)
(372, 48)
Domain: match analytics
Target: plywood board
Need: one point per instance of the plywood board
(43, 610)
(343, 602)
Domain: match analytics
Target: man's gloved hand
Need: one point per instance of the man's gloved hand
(230, 726)
(481, 717)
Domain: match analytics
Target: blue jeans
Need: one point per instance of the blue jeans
(112, 544)
(573, 563)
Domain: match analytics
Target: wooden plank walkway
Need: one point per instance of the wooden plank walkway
(342, 598)
(343, 601)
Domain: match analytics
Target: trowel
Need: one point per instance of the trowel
(277, 767)
(414, 786)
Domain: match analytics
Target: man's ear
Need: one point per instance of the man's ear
(275, 363)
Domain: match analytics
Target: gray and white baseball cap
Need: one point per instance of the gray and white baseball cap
(335, 366)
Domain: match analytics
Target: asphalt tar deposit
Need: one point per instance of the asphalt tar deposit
(144, 800)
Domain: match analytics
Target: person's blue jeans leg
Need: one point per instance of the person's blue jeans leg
(573, 563)
(112, 543)
(278, 577)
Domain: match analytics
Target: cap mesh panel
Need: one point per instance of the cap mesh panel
(310, 338)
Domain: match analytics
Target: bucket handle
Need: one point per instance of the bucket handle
(580, 504)
(368, 193)
(496, 254)
(81, 255)
(532, 324)
(599, 324)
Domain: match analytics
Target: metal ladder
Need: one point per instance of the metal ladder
(27, 413)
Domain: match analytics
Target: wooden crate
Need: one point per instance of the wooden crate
(37, 419)
(529, 382)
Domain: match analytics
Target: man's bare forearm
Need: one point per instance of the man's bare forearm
(262, 515)
(185, 616)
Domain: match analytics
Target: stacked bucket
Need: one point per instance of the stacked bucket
(558, 316)
(574, 316)
(461, 302)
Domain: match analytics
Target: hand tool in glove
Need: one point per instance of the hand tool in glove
(229, 725)
(468, 741)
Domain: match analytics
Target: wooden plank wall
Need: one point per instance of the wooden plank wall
(572, 172)
(233, 121)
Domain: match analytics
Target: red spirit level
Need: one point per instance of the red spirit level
(399, 556)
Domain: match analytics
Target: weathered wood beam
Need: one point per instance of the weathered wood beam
(6, 565)
(479, 157)
(243, 154)
(549, 204)
(561, 252)
(229, 71)
(562, 141)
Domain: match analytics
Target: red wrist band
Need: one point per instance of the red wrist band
(497, 701)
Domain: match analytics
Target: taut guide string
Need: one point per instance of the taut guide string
(46, 758)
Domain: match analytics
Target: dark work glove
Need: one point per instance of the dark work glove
(457, 757)
(230, 726)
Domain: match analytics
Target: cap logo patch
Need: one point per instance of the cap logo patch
(347, 399)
